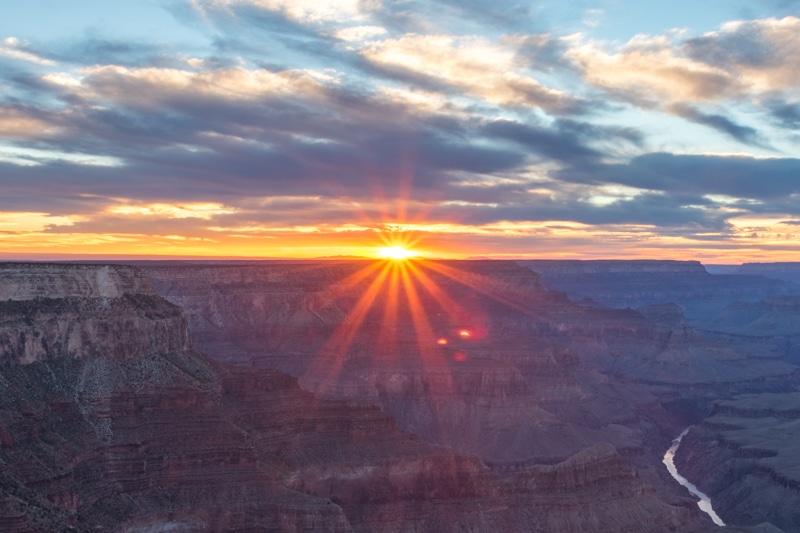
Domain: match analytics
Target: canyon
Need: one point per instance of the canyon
(366, 396)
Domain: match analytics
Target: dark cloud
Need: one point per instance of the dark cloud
(661, 211)
(697, 175)
(100, 50)
(785, 114)
(589, 133)
(544, 142)
(743, 134)
(544, 53)
(744, 46)
(568, 141)
(503, 13)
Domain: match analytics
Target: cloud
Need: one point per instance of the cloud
(649, 71)
(359, 33)
(146, 87)
(541, 52)
(15, 123)
(785, 114)
(743, 134)
(593, 17)
(11, 47)
(545, 142)
(304, 11)
(743, 59)
(760, 179)
(476, 65)
(764, 54)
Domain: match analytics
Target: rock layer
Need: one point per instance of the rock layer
(159, 437)
(745, 457)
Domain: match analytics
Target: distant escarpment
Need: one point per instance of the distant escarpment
(639, 283)
(125, 434)
(787, 271)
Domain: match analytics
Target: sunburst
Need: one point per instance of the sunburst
(396, 253)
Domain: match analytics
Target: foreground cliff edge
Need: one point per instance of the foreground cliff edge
(110, 421)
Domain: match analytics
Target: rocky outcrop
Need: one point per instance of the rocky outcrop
(161, 438)
(82, 311)
(771, 317)
(745, 457)
(29, 281)
(639, 283)
(567, 482)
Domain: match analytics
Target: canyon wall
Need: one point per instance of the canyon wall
(94, 436)
(537, 379)
(745, 457)
(639, 283)
(49, 311)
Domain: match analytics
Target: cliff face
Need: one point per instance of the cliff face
(292, 316)
(29, 281)
(536, 379)
(745, 457)
(53, 311)
(641, 283)
(567, 482)
(779, 316)
(96, 436)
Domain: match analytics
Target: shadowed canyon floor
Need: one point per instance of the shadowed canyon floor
(449, 396)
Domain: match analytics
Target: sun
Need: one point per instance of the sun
(397, 253)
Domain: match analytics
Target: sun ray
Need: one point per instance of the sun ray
(433, 363)
(475, 282)
(387, 337)
(342, 286)
(454, 310)
(329, 362)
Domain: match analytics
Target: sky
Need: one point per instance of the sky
(463, 128)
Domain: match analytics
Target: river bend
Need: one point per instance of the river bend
(705, 502)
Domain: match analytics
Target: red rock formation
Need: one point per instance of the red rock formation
(529, 384)
(158, 438)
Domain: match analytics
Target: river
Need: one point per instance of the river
(705, 502)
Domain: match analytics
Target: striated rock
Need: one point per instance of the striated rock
(669, 313)
(569, 482)
(82, 311)
(745, 457)
(95, 437)
(770, 317)
(285, 316)
(29, 281)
